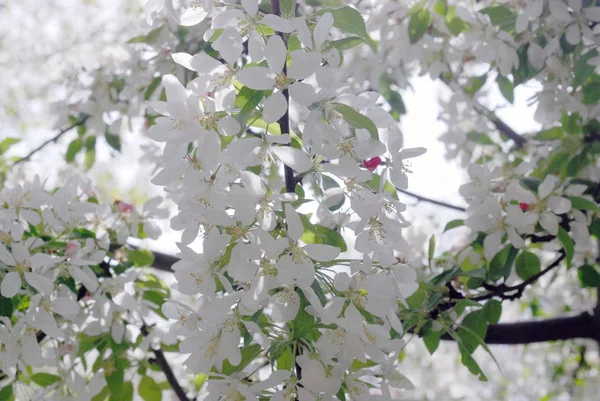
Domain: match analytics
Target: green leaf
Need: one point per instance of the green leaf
(492, 310)
(44, 379)
(287, 7)
(90, 152)
(349, 20)
(199, 381)
(125, 395)
(357, 120)
(501, 16)
(418, 24)
(375, 185)
(480, 138)
(469, 362)
(453, 224)
(83, 233)
(530, 183)
(581, 69)
(114, 140)
(286, 361)
(6, 306)
(571, 123)
(7, 143)
(249, 354)
(506, 88)
(475, 83)
(527, 265)
(591, 93)
(149, 390)
(74, 147)
(141, 257)
(583, 204)
(432, 340)
(152, 87)
(318, 234)
(567, 243)
(589, 276)
(347, 43)
(551, 134)
(247, 99)
(431, 249)
(441, 7)
(391, 93)
(454, 23)
(6, 393)
(472, 330)
(501, 264)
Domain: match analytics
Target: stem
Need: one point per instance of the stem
(421, 198)
(51, 140)
(166, 368)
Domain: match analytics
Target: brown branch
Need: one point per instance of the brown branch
(51, 140)
(421, 198)
(162, 362)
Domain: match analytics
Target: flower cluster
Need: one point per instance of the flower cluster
(269, 283)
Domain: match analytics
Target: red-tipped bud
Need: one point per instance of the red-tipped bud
(373, 163)
(524, 206)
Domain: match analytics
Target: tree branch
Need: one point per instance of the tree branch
(166, 368)
(421, 198)
(500, 125)
(515, 292)
(51, 140)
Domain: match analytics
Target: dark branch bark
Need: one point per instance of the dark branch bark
(421, 198)
(51, 140)
(584, 325)
(166, 368)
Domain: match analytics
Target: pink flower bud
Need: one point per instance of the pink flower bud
(72, 249)
(524, 206)
(124, 207)
(373, 163)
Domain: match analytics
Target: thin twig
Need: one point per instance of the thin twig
(162, 362)
(492, 117)
(517, 290)
(51, 140)
(421, 198)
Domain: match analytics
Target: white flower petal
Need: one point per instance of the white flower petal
(183, 59)
(276, 53)
(558, 204)
(259, 78)
(229, 45)
(65, 306)
(277, 23)
(491, 244)
(202, 63)
(11, 284)
(275, 107)
(253, 184)
(175, 90)
(322, 29)
(192, 16)
(304, 64)
(229, 126)
(251, 6)
(295, 158)
(43, 284)
(5, 256)
(322, 252)
(546, 186)
(294, 224)
(302, 93)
